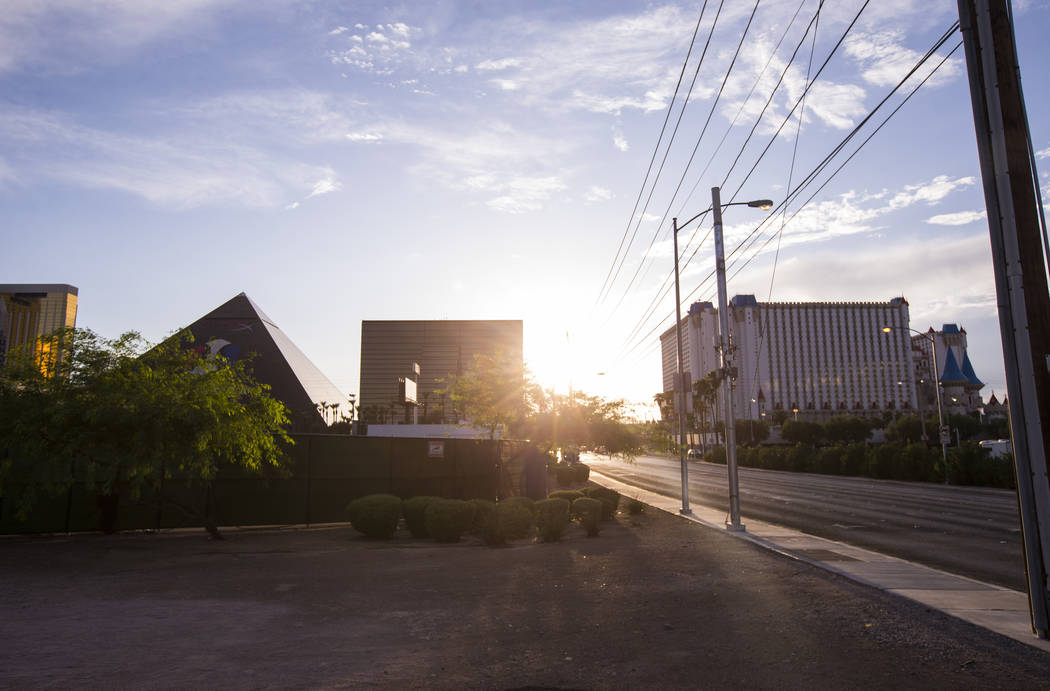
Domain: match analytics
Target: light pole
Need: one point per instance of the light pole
(937, 391)
(723, 323)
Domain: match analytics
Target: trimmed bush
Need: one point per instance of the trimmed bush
(582, 472)
(552, 516)
(564, 474)
(515, 520)
(589, 512)
(524, 502)
(448, 519)
(375, 515)
(716, 455)
(635, 507)
(569, 495)
(415, 510)
(486, 523)
(609, 498)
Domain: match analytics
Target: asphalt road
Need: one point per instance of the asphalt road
(971, 531)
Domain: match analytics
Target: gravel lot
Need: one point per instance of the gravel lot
(654, 602)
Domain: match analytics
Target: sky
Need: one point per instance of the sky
(450, 159)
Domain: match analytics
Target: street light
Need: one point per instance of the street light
(723, 322)
(937, 391)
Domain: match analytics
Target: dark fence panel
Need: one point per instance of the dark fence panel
(325, 473)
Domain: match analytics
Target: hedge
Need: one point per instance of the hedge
(415, 515)
(515, 519)
(589, 512)
(447, 519)
(552, 517)
(375, 515)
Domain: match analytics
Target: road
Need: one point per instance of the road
(970, 531)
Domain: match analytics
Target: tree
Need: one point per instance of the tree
(847, 429)
(123, 420)
(751, 432)
(491, 394)
(802, 432)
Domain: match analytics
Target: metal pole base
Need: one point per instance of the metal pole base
(736, 527)
(685, 512)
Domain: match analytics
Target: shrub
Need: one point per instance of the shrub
(854, 459)
(448, 519)
(415, 510)
(564, 474)
(375, 515)
(515, 519)
(569, 495)
(524, 502)
(885, 461)
(829, 460)
(801, 458)
(552, 516)
(635, 507)
(716, 455)
(486, 522)
(589, 512)
(609, 498)
(582, 472)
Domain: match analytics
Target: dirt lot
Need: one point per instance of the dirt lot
(654, 602)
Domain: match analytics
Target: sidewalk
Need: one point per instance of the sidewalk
(998, 609)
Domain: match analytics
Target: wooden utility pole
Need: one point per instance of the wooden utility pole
(1007, 171)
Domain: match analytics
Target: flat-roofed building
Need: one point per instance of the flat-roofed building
(391, 349)
(31, 311)
(811, 360)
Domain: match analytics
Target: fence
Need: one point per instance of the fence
(324, 473)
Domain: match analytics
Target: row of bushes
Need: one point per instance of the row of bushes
(566, 474)
(447, 520)
(968, 464)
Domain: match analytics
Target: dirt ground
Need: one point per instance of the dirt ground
(654, 602)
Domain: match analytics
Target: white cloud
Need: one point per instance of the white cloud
(1043, 153)
(338, 30)
(324, 186)
(181, 171)
(506, 84)
(382, 51)
(524, 194)
(293, 205)
(597, 194)
(497, 64)
(959, 218)
(619, 141)
(929, 193)
(884, 60)
(67, 35)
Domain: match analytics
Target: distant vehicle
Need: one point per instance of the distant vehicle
(601, 449)
(694, 453)
(997, 448)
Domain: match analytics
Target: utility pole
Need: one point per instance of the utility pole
(1007, 171)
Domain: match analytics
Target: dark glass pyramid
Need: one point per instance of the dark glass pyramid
(238, 327)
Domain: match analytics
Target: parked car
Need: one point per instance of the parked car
(694, 453)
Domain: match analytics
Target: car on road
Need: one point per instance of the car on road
(694, 453)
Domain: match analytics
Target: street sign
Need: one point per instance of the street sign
(946, 435)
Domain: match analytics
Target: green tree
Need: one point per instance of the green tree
(847, 429)
(491, 394)
(751, 432)
(122, 420)
(802, 432)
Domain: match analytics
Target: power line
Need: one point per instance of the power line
(656, 149)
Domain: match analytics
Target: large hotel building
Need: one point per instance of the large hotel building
(28, 312)
(811, 360)
(391, 350)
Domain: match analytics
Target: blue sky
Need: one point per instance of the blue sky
(480, 160)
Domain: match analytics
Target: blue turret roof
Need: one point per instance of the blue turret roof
(698, 307)
(967, 369)
(951, 374)
(950, 329)
(744, 301)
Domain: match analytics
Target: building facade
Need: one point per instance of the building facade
(31, 311)
(809, 360)
(391, 350)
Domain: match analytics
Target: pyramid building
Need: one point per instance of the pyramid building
(238, 327)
